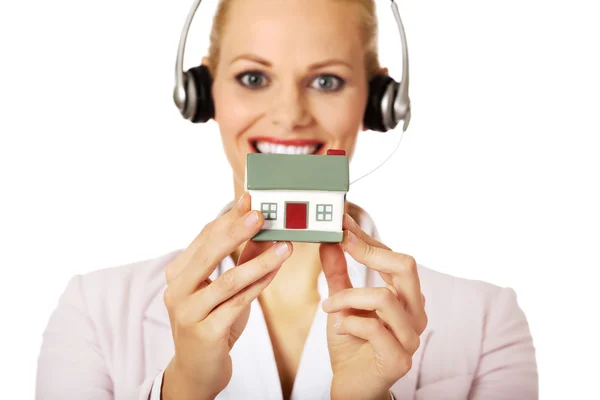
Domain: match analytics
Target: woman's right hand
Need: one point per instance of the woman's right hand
(208, 317)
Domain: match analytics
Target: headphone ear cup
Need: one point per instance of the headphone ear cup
(201, 80)
(373, 118)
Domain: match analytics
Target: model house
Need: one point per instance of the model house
(300, 195)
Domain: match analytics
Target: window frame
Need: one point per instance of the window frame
(269, 211)
(324, 213)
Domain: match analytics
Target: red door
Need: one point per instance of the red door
(295, 215)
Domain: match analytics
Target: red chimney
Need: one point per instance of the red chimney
(336, 152)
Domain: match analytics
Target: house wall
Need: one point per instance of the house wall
(311, 197)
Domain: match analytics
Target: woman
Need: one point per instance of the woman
(230, 318)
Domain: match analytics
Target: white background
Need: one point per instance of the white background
(496, 179)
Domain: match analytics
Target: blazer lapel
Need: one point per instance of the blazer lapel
(406, 387)
(156, 327)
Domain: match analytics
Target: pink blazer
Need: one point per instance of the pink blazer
(110, 336)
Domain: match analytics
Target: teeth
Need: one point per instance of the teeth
(267, 147)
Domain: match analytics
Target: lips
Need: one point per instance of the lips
(285, 146)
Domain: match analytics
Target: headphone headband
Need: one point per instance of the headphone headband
(402, 102)
(394, 100)
(179, 93)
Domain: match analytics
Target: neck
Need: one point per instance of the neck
(296, 283)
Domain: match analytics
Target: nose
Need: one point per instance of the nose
(289, 110)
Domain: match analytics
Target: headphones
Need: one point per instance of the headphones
(387, 103)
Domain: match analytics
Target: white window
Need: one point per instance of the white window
(324, 212)
(269, 210)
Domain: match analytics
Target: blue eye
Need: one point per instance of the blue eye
(251, 79)
(324, 82)
(329, 83)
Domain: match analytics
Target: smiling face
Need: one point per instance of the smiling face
(290, 78)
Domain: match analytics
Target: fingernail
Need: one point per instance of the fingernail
(326, 302)
(352, 237)
(338, 321)
(251, 219)
(281, 249)
(241, 201)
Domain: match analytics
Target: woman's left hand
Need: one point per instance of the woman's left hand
(372, 333)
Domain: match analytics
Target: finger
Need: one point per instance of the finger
(183, 259)
(253, 249)
(229, 311)
(349, 223)
(226, 287)
(335, 268)
(401, 267)
(385, 304)
(379, 337)
(195, 248)
(227, 236)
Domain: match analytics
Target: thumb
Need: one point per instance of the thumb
(334, 267)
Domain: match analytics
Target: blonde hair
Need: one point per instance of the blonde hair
(368, 32)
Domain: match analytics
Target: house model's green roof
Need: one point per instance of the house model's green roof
(297, 172)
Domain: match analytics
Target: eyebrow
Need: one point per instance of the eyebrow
(317, 65)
